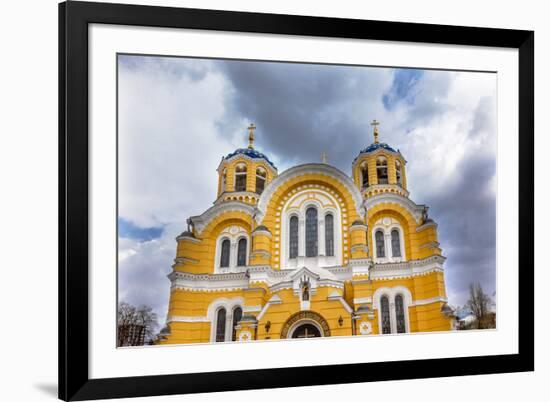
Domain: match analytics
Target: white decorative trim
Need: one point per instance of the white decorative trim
(390, 198)
(251, 309)
(188, 238)
(262, 232)
(432, 244)
(245, 336)
(275, 299)
(407, 269)
(178, 318)
(429, 224)
(431, 300)
(362, 300)
(200, 222)
(365, 328)
(310, 168)
(208, 282)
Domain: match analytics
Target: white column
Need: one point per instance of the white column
(321, 237)
(301, 237)
(233, 254)
(393, 321)
(229, 325)
(387, 245)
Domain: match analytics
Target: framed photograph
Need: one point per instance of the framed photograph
(258, 201)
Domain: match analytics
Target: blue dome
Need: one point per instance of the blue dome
(373, 147)
(251, 153)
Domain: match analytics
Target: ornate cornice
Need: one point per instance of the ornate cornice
(407, 269)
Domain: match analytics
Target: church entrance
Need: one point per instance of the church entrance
(306, 331)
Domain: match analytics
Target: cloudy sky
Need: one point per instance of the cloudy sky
(179, 116)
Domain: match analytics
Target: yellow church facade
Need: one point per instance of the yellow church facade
(309, 252)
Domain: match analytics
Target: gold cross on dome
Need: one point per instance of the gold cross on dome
(324, 157)
(375, 124)
(251, 129)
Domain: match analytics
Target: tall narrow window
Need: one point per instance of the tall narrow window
(237, 316)
(329, 235)
(240, 177)
(311, 232)
(224, 256)
(399, 314)
(380, 248)
(261, 175)
(385, 315)
(293, 237)
(382, 170)
(364, 175)
(224, 180)
(395, 243)
(398, 172)
(241, 253)
(220, 325)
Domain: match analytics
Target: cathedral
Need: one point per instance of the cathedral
(308, 252)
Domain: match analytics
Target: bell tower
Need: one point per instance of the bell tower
(379, 168)
(244, 173)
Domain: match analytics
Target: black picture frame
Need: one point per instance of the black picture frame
(74, 18)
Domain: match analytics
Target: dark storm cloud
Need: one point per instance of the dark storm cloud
(466, 215)
(303, 110)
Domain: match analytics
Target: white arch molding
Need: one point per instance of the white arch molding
(299, 323)
(386, 225)
(233, 234)
(321, 169)
(212, 315)
(297, 205)
(391, 293)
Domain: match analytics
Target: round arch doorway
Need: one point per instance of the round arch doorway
(305, 324)
(306, 330)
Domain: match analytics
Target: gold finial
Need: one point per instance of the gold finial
(375, 124)
(323, 157)
(251, 129)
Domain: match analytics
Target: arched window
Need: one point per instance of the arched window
(395, 243)
(261, 176)
(241, 253)
(385, 315)
(240, 177)
(311, 232)
(398, 172)
(329, 235)
(382, 170)
(224, 180)
(224, 255)
(237, 316)
(220, 325)
(293, 237)
(364, 175)
(399, 314)
(380, 248)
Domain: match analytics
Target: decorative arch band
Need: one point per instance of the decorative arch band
(303, 316)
